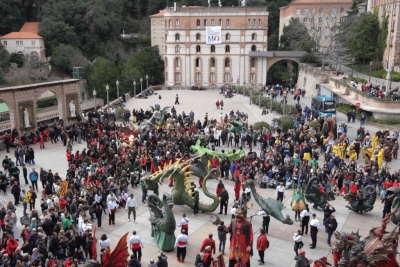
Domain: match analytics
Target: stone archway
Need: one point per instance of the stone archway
(288, 77)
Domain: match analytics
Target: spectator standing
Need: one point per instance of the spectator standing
(208, 242)
(184, 223)
(224, 200)
(314, 226)
(34, 176)
(331, 225)
(262, 242)
(131, 207)
(298, 243)
(222, 237)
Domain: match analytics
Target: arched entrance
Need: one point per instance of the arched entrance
(46, 108)
(283, 71)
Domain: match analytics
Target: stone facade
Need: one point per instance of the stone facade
(157, 32)
(18, 98)
(308, 79)
(391, 56)
(242, 29)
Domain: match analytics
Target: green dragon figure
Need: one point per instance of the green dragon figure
(200, 150)
(393, 194)
(362, 203)
(314, 194)
(151, 184)
(180, 190)
(162, 220)
(237, 127)
(271, 206)
(298, 202)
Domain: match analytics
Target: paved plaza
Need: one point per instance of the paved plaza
(280, 253)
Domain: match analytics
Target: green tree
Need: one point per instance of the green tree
(17, 59)
(101, 73)
(11, 17)
(4, 57)
(2, 77)
(296, 37)
(66, 57)
(56, 33)
(362, 37)
(273, 22)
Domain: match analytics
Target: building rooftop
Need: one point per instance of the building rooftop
(160, 14)
(30, 27)
(196, 9)
(21, 35)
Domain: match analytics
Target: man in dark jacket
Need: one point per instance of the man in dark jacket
(48, 226)
(331, 225)
(224, 200)
(16, 191)
(301, 260)
(162, 260)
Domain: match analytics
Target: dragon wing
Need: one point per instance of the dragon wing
(165, 110)
(119, 256)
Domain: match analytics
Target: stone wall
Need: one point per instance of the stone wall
(308, 79)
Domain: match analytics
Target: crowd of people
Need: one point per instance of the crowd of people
(57, 230)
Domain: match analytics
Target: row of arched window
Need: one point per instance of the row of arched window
(212, 48)
(205, 23)
(227, 62)
(227, 37)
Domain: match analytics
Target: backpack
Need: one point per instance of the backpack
(43, 204)
(199, 259)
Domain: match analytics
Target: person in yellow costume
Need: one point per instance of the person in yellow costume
(375, 141)
(351, 153)
(380, 157)
(335, 149)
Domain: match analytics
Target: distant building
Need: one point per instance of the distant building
(320, 18)
(158, 32)
(210, 46)
(391, 56)
(26, 42)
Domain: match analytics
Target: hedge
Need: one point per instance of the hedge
(261, 125)
(47, 102)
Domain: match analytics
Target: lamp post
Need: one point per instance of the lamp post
(117, 82)
(370, 69)
(271, 95)
(352, 67)
(237, 87)
(244, 87)
(251, 93)
(291, 83)
(134, 88)
(231, 82)
(141, 84)
(147, 81)
(108, 89)
(389, 79)
(284, 102)
(260, 92)
(94, 95)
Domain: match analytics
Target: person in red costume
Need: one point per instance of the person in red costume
(219, 188)
(262, 241)
(208, 242)
(236, 188)
(214, 163)
(241, 239)
(353, 188)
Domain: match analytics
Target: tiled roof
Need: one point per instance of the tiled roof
(30, 27)
(161, 14)
(21, 35)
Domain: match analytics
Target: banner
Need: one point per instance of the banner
(64, 188)
(213, 35)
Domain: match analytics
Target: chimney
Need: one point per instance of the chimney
(174, 6)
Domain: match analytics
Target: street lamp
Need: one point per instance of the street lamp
(231, 82)
(271, 95)
(237, 88)
(284, 102)
(108, 89)
(147, 81)
(94, 95)
(117, 89)
(251, 92)
(352, 67)
(291, 83)
(134, 88)
(370, 69)
(141, 84)
(260, 92)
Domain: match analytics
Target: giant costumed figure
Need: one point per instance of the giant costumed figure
(241, 239)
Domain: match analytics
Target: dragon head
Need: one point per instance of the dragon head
(169, 170)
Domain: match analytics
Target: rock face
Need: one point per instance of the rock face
(309, 77)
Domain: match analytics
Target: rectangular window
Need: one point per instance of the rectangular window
(20, 43)
(162, 39)
(298, 11)
(220, 22)
(252, 77)
(321, 10)
(341, 9)
(304, 20)
(228, 23)
(254, 22)
(198, 76)
(33, 43)
(227, 77)
(212, 77)
(319, 29)
(249, 22)
(306, 11)
(312, 20)
(333, 19)
(334, 10)
(177, 76)
(154, 30)
(162, 30)
(154, 22)
(259, 22)
(162, 22)
(4, 43)
(313, 10)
